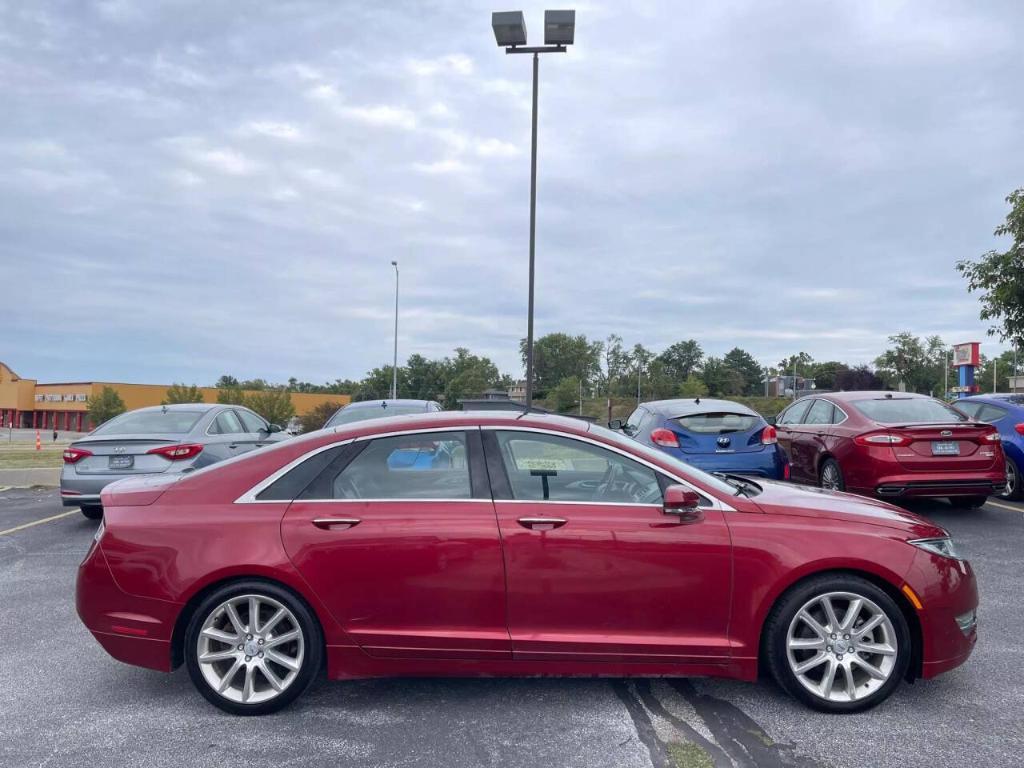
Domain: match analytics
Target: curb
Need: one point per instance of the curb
(48, 477)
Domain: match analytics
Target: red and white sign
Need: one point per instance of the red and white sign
(967, 354)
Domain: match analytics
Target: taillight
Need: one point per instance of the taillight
(786, 471)
(1019, 428)
(177, 452)
(881, 438)
(73, 455)
(991, 437)
(664, 437)
(769, 436)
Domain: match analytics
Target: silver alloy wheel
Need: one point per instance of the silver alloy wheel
(841, 659)
(250, 648)
(1011, 482)
(830, 477)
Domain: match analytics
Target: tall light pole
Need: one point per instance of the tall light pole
(394, 366)
(510, 33)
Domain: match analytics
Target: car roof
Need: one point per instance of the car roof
(848, 397)
(424, 404)
(689, 406)
(439, 419)
(204, 407)
(1001, 398)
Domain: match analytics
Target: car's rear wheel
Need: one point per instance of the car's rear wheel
(1013, 480)
(92, 511)
(968, 502)
(831, 477)
(252, 648)
(838, 643)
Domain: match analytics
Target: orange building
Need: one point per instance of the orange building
(64, 406)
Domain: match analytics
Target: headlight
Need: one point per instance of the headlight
(943, 547)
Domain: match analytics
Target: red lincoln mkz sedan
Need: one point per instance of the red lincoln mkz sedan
(496, 544)
(892, 445)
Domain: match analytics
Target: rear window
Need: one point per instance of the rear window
(907, 410)
(349, 415)
(150, 422)
(718, 423)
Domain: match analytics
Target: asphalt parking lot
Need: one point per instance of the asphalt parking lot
(64, 702)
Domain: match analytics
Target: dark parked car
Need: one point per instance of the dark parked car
(379, 409)
(714, 435)
(161, 439)
(892, 445)
(526, 545)
(1005, 413)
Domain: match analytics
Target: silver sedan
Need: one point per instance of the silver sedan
(161, 439)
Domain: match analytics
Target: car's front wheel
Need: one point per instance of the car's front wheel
(92, 511)
(1013, 480)
(838, 643)
(252, 648)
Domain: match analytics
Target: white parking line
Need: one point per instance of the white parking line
(39, 522)
(1004, 506)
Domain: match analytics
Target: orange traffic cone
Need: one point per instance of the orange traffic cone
(39, 444)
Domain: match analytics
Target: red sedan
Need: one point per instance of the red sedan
(892, 445)
(495, 544)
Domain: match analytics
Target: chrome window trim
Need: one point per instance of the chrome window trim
(716, 503)
(249, 497)
(220, 413)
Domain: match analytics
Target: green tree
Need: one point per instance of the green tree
(179, 393)
(694, 386)
(557, 356)
(232, 395)
(658, 384)
(316, 417)
(801, 362)
(468, 375)
(616, 364)
(376, 385)
(1000, 277)
(681, 359)
(743, 363)
(274, 404)
(857, 379)
(720, 379)
(826, 374)
(105, 406)
(566, 395)
(1000, 366)
(905, 362)
(226, 381)
(424, 379)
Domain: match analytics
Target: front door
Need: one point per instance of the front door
(399, 539)
(596, 570)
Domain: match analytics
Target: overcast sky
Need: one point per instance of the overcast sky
(193, 189)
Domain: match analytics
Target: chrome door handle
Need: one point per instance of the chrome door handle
(542, 523)
(329, 523)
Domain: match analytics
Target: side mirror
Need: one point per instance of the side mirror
(616, 424)
(684, 503)
(274, 428)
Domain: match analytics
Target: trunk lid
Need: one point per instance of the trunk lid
(941, 447)
(123, 454)
(137, 491)
(718, 433)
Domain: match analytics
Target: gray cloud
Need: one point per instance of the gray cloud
(192, 189)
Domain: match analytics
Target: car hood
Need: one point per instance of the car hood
(806, 501)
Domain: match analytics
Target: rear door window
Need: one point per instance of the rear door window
(990, 413)
(718, 423)
(226, 423)
(819, 413)
(907, 410)
(251, 422)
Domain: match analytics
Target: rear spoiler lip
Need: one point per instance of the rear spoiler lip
(140, 491)
(937, 425)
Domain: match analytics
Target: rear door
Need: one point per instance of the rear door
(789, 433)
(225, 437)
(257, 430)
(809, 442)
(398, 537)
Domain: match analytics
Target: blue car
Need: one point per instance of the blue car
(1005, 413)
(713, 435)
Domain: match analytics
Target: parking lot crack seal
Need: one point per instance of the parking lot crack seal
(642, 723)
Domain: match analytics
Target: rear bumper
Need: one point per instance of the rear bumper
(943, 485)
(769, 462)
(135, 630)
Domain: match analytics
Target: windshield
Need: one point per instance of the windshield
(907, 410)
(150, 423)
(718, 423)
(349, 415)
(684, 469)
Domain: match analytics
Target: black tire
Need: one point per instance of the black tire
(831, 465)
(968, 502)
(1013, 491)
(782, 616)
(312, 637)
(92, 512)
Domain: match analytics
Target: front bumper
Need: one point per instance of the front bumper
(132, 629)
(948, 591)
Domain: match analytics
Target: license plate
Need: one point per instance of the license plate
(121, 462)
(945, 448)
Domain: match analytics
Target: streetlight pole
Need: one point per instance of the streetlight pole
(394, 366)
(510, 33)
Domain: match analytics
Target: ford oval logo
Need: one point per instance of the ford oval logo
(724, 442)
(946, 433)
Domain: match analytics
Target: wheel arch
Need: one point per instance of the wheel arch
(199, 595)
(887, 586)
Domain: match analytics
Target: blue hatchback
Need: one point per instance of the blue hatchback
(713, 435)
(1005, 413)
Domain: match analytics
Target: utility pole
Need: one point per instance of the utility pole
(394, 366)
